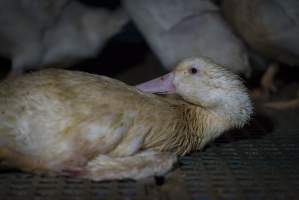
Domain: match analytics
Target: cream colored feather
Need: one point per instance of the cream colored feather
(96, 127)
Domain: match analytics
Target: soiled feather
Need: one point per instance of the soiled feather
(99, 128)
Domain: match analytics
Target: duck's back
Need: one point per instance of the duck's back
(42, 113)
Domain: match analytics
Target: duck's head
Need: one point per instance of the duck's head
(201, 82)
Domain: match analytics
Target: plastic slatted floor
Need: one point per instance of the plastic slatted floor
(258, 162)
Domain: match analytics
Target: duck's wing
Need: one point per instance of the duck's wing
(64, 144)
(59, 115)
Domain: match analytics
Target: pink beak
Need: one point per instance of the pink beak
(161, 85)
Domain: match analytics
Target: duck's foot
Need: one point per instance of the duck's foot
(283, 105)
(73, 172)
(267, 83)
(140, 165)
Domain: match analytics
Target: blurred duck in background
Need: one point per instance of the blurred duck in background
(176, 29)
(271, 28)
(36, 34)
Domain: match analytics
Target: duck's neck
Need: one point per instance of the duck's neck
(190, 129)
(203, 124)
(234, 109)
(208, 123)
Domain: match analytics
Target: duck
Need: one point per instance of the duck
(178, 29)
(83, 125)
(271, 29)
(40, 34)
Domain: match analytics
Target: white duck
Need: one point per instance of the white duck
(36, 34)
(99, 128)
(178, 29)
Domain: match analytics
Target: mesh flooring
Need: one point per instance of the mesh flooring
(258, 162)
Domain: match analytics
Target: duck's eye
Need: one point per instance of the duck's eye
(193, 70)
